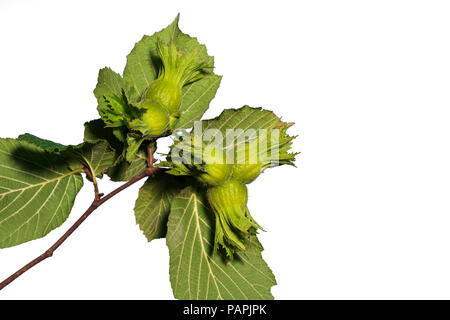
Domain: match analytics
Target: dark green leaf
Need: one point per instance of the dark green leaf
(98, 156)
(95, 131)
(134, 142)
(112, 110)
(46, 145)
(124, 170)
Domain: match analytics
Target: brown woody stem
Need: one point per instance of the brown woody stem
(98, 201)
(94, 182)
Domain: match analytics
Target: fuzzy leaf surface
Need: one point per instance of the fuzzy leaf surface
(108, 83)
(196, 272)
(98, 156)
(43, 144)
(37, 191)
(143, 65)
(95, 131)
(196, 100)
(246, 118)
(234, 128)
(153, 204)
(122, 170)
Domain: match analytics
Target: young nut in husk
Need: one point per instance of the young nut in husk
(155, 117)
(248, 165)
(177, 70)
(205, 163)
(215, 171)
(233, 221)
(165, 92)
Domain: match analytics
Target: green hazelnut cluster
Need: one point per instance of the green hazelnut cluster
(225, 173)
(156, 111)
(227, 194)
(162, 100)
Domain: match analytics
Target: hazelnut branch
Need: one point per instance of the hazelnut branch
(98, 201)
(94, 182)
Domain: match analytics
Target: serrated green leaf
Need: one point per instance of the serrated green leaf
(196, 99)
(108, 83)
(121, 134)
(153, 204)
(179, 170)
(237, 128)
(256, 119)
(143, 64)
(124, 170)
(46, 145)
(95, 131)
(37, 191)
(113, 103)
(112, 110)
(134, 142)
(140, 70)
(245, 118)
(98, 157)
(195, 271)
(132, 95)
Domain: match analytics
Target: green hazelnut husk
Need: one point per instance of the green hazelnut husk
(167, 93)
(215, 171)
(246, 173)
(247, 167)
(233, 221)
(155, 117)
(215, 174)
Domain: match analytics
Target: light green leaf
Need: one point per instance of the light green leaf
(37, 192)
(112, 110)
(198, 273)
(153, 204)
(140, 70)
(196, 99)
(113, 99)
(254, 119)
(245, 118)
(143, 65)
(236, 128)
(143, 62)
(108, 83)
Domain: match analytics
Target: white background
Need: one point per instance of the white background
(365, 214)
